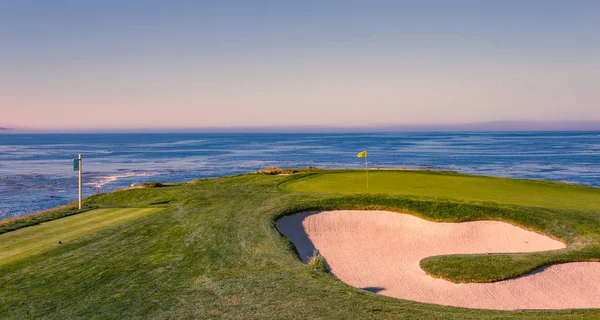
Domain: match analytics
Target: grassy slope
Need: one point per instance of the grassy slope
(213, 252)
(34, 239)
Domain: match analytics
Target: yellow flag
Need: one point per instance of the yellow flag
(362, 154)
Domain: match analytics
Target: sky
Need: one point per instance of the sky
(77, 65)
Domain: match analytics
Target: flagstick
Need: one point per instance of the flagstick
(80, 173)
(367, 169)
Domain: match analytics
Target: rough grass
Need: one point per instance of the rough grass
(153, 184)
(213, 253)
(284, 171)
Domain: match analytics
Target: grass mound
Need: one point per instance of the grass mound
(318, 263)
(498, 267)
(153, 184)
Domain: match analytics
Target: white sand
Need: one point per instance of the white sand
(380, 251)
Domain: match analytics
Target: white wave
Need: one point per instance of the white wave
(104, 180)
(176, 143)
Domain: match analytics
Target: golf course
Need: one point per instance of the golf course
(220, 248)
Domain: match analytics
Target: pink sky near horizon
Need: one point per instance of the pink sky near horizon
(340, 103)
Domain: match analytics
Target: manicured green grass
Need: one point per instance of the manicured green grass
(213, 252)
(456, 187)
(34, 239)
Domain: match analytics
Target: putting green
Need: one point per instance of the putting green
(454, 186)
(34, 239)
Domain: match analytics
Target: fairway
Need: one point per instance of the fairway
(34, 239)
(456, 187)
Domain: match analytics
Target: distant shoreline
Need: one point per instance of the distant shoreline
(13, 132)
(476, 127)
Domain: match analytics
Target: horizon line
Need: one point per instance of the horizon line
(489, 126)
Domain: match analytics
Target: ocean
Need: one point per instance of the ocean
(36, 170)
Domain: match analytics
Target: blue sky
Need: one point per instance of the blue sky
(203, 64)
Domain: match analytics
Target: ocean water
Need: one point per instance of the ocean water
(36, 169)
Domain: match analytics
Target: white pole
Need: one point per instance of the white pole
(367, 169)
(80, 172)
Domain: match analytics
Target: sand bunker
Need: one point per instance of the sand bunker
(380, 251)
